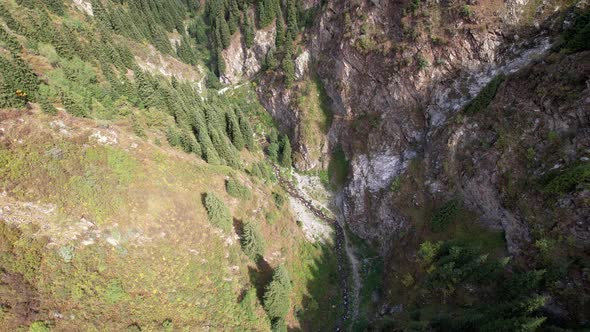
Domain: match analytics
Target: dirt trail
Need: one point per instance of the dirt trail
(347, 261)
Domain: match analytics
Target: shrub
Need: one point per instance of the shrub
(217, 212)
(276, 296)
(422, 62)
(485, 96)
(445, 215)
(235, 189)
(395, 185)
(568, 179)
(278, 199)
(252, 241)
(39, 327)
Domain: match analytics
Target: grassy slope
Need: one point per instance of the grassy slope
(120, 234)
(154, 256)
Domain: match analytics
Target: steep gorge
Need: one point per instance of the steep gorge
(403, 80)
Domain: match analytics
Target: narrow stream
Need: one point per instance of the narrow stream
(344, 253)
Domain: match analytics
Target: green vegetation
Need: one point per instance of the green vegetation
(252, 241)
(568, 180)
(277, 294)
(39, 327)
(338, 168)
(577, 37)
(511, 299)
(217, 212)
(445, 215)
(485, 97)
(235, 189)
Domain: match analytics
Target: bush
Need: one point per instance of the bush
(235, 189)
(252, 241)
(568, 179)
(445, 215)
(276, 296)
(485, 96)
(39, 327)
(217, 212)
(279, 199)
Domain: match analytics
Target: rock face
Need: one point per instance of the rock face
(241, 62)
(391, 101)
(401, 85)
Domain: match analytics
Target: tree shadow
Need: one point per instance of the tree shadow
(260, 277)
(323, 307)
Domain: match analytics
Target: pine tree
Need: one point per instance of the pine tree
(12, 44)
(246, 130)
(280, 30)
(273, 152)
(252, 241)
(217, 212)
(234, 131)
(276, 297)
(288, 68)
(234, 16)
(248, 30)
(173, 136)
(47, 106)
(292, 27)
(271, 60)
(145, 90)
(224, 32)
(74, 105)
(286, 152)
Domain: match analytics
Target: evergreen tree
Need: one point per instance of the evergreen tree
(173, 136)
(246, 130)
(273, 152)
(47, 106)
(9, 41)
(145, 90)
(288, 68)
(252, 241)
(234, 16)
(220, 62)
(224, 32)
(276, 295)
(280, 30)
(234, 131)
(292, 26)
(271, 60)
(217, 212)
(286, 152)
(248, 30)
(74, 105)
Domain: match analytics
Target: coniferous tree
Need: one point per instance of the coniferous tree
(276, 295)
(252, 241)
(248, 30)
(217, 212)
(224, 32)
(173, 136)
(271, 60)
(47, 106)
(288, 69)
(286, 152)
(234, 131)
(74, 105)
(292, 27)
(234, 16)
(273, 152)
(246, 130)
(280, 30)
(11, 43)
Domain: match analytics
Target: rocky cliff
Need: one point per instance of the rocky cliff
(435, 102)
